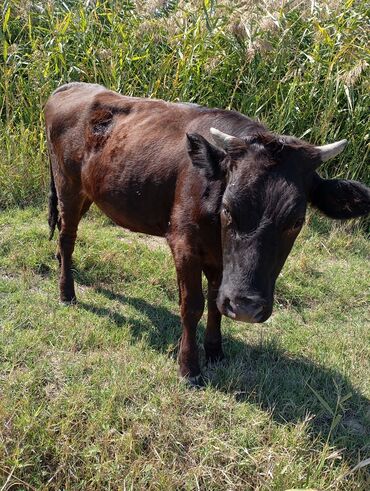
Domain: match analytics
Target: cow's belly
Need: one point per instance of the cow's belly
(138, 197)
(134, 214)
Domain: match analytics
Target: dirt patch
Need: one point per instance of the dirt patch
(150, 241)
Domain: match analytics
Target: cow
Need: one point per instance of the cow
(229, 196)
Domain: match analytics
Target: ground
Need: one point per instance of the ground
(90, 394)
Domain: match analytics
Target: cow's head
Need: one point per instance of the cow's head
(268, 181)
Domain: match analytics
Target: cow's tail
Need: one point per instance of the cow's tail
(53, 205)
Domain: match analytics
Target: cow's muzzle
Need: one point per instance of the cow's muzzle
(250, 309)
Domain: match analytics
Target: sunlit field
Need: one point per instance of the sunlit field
(90, 396)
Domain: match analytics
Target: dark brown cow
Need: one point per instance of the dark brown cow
(231, 210)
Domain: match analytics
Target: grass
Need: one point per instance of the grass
(301, 67)
(90, 395)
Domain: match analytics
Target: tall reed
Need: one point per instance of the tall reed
(300, 67)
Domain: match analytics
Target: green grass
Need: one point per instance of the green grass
(302, 70)
(90, 395)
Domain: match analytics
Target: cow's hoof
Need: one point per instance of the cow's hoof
(68, 301)
(196, 382)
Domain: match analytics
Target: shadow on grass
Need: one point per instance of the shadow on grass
(290, 388)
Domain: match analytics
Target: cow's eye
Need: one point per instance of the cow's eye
(293, 227)
(297, 224)
(226, 213)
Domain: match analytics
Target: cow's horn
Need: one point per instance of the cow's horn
(331, 150)
(221, 139)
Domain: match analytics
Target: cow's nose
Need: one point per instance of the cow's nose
(247, 309)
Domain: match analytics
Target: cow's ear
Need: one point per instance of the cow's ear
(205, 156)
(340, 198)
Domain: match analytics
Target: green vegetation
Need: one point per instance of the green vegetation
(302, 68)
(91, 399)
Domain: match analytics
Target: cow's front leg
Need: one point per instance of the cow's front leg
(192, 306)
(189, 276)
(213, 337)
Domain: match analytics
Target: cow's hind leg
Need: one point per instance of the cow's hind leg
(85, 208)
(71, 211)
(213, 337)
